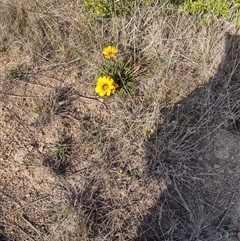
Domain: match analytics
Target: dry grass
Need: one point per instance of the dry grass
(131, 167)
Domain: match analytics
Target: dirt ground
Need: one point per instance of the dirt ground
(28, 187)
(40, 193)
(76, 167)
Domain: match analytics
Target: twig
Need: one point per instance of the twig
(19, 96)
(91, 98)
(229, 208)
(20, 207)
(9, 197)
(29, 224)
(16, 226)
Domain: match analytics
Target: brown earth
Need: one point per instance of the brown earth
(100, 189)
(28, 187)
(41, 196)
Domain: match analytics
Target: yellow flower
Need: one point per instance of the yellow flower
(110, 52)
(105, 86)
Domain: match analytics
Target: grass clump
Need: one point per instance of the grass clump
(227, 9)
(107, 8)
(60, 150)
(55, 104)
(118, 73)
(219, 8)
(58, 161)
(100, 8)
(16, 72)
(122, 72)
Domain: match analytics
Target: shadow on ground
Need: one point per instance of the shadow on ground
(195, 151)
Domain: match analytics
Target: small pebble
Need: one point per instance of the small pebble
(238, 235)
(216, 166)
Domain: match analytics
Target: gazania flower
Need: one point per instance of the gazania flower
(105, 86)
(110, 52)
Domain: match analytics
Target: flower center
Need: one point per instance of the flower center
(105, 87)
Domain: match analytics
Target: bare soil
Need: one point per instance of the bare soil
(34, 199)
(161, 163)
(48, 198)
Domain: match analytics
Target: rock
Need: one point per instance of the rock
(200, 158)
(238, 235)
(40, 147)
(225, 145)
(20, 155)
(216, 166)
